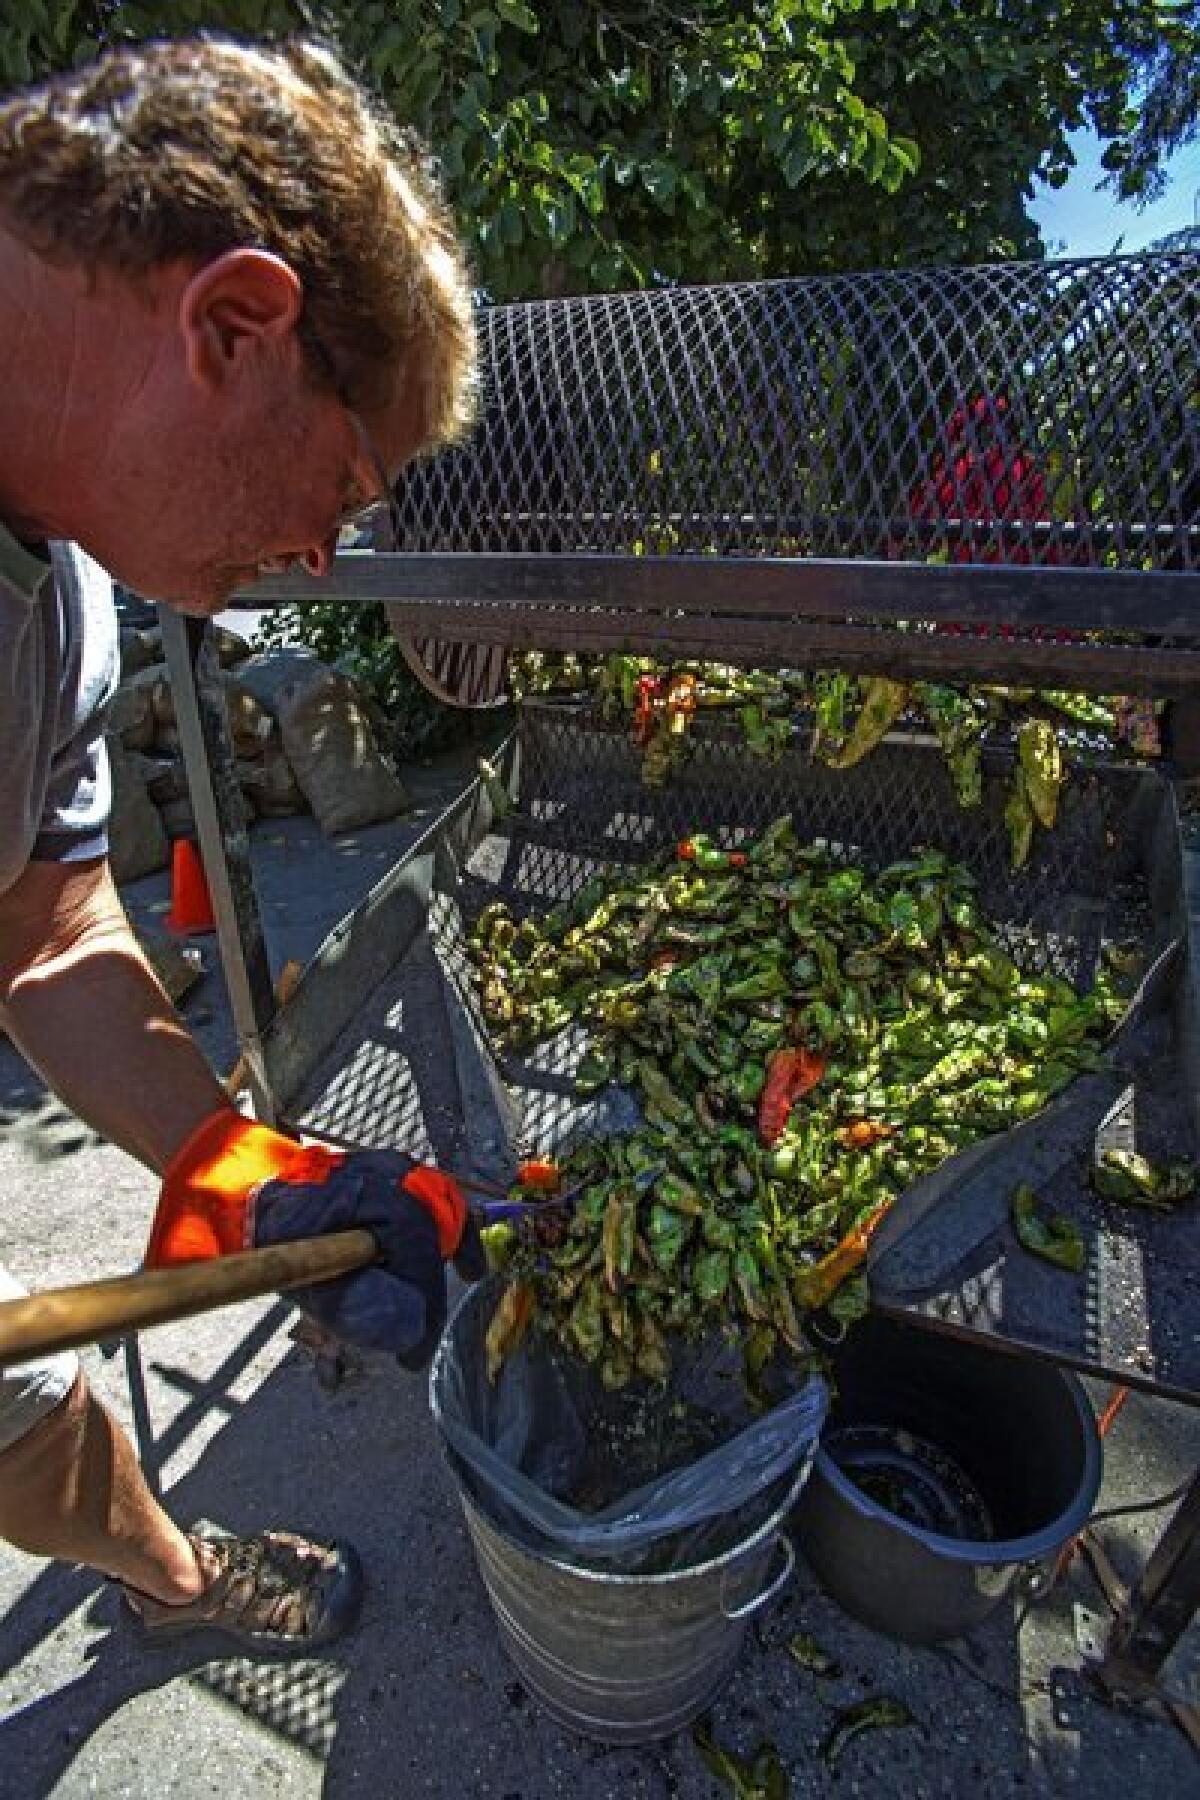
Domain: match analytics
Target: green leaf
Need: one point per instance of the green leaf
(452, 156)
(692, 187)
(876, 159)
(608, 270)
(658, 179)
(64, 25)
(561, 220)
(798, 160)
(588, 183)
(906, 153)
(514, 12)
(679, 84)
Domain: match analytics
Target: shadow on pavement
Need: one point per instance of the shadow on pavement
(422, 1699)
(33, 1119)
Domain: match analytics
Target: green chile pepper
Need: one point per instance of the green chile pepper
(747, 1082)
(1052, 1236)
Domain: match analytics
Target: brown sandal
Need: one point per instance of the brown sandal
(273, 1589)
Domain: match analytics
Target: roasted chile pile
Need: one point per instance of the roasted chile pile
(804, 1041)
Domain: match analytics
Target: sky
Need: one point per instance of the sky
(1079, 221)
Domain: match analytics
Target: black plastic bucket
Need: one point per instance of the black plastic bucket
(943, 1470)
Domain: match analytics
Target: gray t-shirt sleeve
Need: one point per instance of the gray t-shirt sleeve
(59, 664)
(74, 817)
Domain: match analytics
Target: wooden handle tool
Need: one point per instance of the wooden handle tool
(64, 1318)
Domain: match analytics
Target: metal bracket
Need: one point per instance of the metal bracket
(1148, 1620)
(1161, 1605)
(1112, 1587)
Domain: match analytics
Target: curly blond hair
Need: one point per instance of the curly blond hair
(181, 150)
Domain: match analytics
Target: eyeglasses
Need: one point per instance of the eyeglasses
(385, 505)
(363, 515)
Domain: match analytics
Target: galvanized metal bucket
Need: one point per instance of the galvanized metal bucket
(628, 1658)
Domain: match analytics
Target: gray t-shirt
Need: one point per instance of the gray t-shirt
(59, 664)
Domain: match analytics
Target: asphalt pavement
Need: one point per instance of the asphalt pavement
(422, 1700)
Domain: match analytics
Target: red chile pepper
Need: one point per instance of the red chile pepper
(790, 1075)
(542, 1177)
(649, 697)
(775, 1101)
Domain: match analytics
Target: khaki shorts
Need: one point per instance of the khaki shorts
(31, 1390)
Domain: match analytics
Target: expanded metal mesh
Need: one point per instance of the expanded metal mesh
(585, 809)
(1016, 413)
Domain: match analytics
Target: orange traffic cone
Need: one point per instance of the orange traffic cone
(191, 904)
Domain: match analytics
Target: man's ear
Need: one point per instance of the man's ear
(243, 301)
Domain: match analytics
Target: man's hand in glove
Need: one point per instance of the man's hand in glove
(236, 1185)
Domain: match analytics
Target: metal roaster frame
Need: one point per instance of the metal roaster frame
(960, 474)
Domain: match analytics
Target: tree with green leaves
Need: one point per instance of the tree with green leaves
(1168, 70)
(601, 144)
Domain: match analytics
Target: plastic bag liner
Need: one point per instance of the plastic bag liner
(522, 1444)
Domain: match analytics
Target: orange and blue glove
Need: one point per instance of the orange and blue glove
(237, 1185)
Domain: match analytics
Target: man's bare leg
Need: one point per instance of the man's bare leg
(71, 1489)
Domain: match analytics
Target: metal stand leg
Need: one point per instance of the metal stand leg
(208, 758)
(1183, 736)
(143, 1430)
(1157, 1613)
